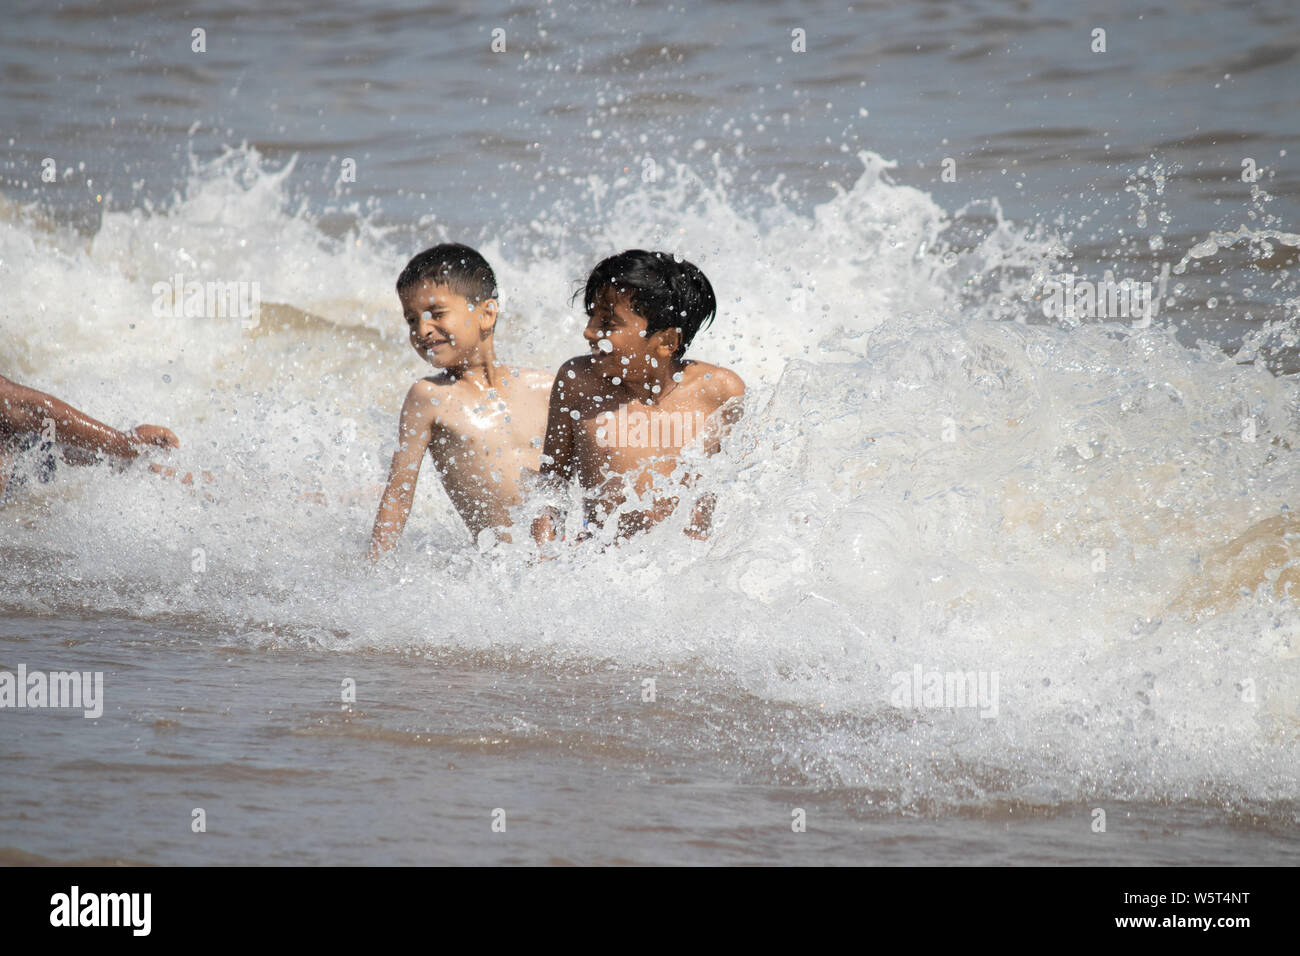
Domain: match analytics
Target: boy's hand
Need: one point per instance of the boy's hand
(701, 518)
(544, 526)
(188, 479)
(544, 533)
(155, 435)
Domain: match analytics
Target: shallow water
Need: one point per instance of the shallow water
(439, 740)
(930, 472)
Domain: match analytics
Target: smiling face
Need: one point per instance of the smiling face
(619, 344)
(446, 330)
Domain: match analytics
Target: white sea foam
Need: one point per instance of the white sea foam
(917, 482)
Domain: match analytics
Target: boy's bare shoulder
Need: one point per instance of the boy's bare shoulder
(434, 395)
(579, 369)
(579, 363)
(431, 387)
(534, 377)
(718, 383)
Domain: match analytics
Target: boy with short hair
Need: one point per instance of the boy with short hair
(480, 420)
(622, 415)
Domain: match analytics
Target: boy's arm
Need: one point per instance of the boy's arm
(414, 433)
(27, 410)
(732, 389)
(557, 452)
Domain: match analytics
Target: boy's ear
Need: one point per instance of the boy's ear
(488, 310)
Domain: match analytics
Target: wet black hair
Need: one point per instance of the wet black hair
(460, 268)
(668, 293)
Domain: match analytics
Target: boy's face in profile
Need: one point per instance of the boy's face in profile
(617, 336)
(446, 330)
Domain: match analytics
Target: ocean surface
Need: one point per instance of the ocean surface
(1091, 515)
